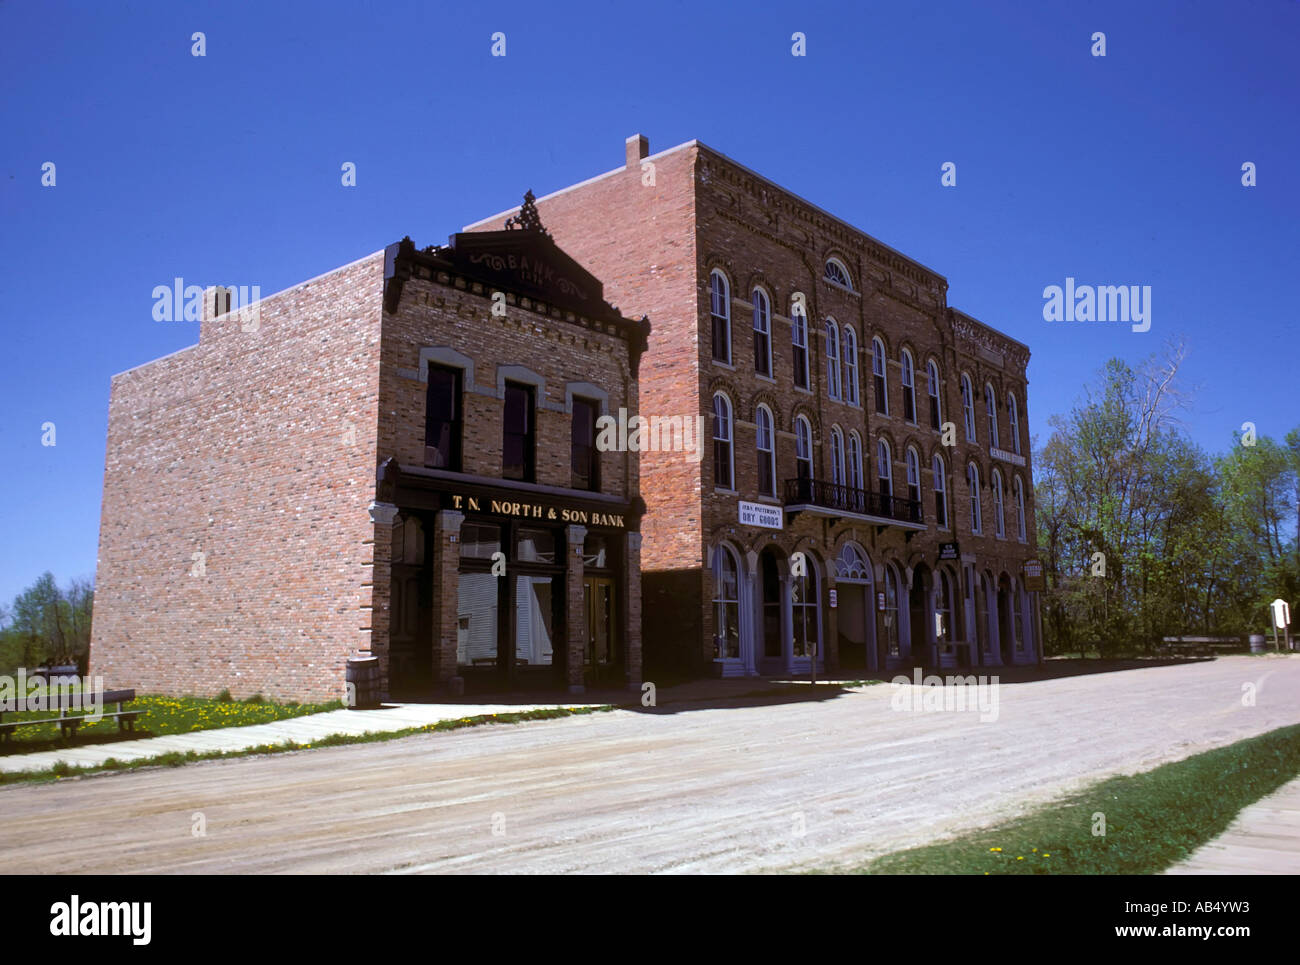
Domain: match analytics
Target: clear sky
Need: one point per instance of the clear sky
(225, 169)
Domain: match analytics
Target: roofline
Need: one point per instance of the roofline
(996, 331)
(282, 291)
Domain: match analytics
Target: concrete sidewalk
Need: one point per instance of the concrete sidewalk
(1263, 840)
(391, 717)
(308, 729)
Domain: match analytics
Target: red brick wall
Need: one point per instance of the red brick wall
(255, 448)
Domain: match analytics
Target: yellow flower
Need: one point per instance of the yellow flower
(995, 849)
(1021, 858)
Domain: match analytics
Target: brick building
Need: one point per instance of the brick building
(857, 419)
(397, 457)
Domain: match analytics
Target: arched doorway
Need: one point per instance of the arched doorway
(920, 622)
(856, 610)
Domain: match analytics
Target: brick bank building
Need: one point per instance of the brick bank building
(868, 496)
(396, 458)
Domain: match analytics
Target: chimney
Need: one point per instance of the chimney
(638, 149)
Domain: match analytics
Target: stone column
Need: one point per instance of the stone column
(632, 611)
(445, 546)
(375, 637)
(575, 613)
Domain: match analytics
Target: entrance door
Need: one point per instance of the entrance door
(856, 607)
(602, 650)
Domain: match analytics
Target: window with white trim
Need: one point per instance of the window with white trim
(762, 333)
(1019, 488)
(837, 274)
(878, 377)
(940, 492)
(722, 455)
(766, 452)
(909, 387)
(973, 487)
(799, 341)
(932, 378)
(855, 461)
(913, 476)
(991, 407)
(837, 456)
(1013, 414)
(720, 313)
(999, 523)
(968, 406)
(832, 359)
(803, 448)
(850, 365)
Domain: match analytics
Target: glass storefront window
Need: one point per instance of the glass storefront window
(476, 639)
(479, 540)
(595, 551)
(534, 620)
(535, 546)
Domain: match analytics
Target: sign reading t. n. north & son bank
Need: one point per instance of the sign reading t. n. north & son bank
(761, 514)
(530, 510)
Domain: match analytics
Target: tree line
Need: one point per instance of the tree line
(46, 624)
(1144, 535)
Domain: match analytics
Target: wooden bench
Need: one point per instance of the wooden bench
(1202, 646)
(68, 723)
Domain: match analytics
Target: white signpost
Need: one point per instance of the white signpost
(1281, 613)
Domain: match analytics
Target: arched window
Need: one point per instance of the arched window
(722, 464)
(943, 609)
(884, 476)
(762, 333)
(803, 448)
(999, 526)
(837, 274)
(766, 442)
(799, 340)
(837, 456)
(850, 365)
(726, 604)
(804, 613)
(720, 312)
(913, 476)
(973, 485)
(940, 492)
(932, 380)
(855, 461)
(878, 375)
(832, 359)
(991, 407)
(1013, 415)
(1019, 488)
(909, 387)
(968, 406)
(891, 611)
(852, 565)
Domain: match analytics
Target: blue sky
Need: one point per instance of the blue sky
(226, 169)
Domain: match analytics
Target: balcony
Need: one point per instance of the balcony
(830, 499)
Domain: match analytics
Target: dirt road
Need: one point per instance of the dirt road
(754, 786)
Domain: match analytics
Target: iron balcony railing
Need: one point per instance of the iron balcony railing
(818, 492)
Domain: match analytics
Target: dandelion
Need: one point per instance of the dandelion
(995, 849)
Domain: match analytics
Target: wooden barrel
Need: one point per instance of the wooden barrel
(363, 683)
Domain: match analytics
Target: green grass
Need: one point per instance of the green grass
(161, 715)
(1152, 820)
(177, 759)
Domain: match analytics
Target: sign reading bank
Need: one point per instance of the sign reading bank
(761, 514)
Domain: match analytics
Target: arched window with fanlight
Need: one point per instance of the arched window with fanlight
(878, 376)
(909, 387)
(1019, 488)
(940, 492)
(1013, 416)
(973, 486)
(850, 365)
(832, 359)
(766, 445)
(837, 274)
(720, 313)
(722, 455)
(999, 523)
(932, 386)
(968, 406)
(762, 333)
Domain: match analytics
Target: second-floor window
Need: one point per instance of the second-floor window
(932, 378)
(913, 475)
(722, 442)
(762, 334)
(850, 366)
(443, 421)
(884, 473)
(968, 407)
(855, 462)
(720, 313)
(766, 445)
(878, 376)
(803, 460)
(519, 435)
(837, 456)
(585, 457)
